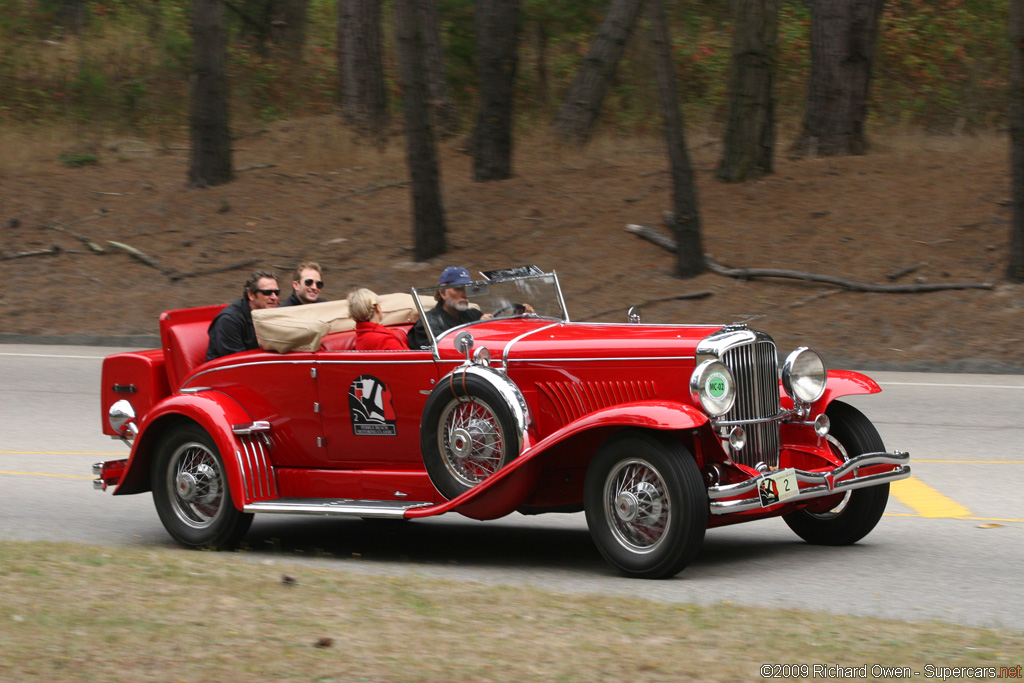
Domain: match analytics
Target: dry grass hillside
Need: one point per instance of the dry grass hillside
(306, 190)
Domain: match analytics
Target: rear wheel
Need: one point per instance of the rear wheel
(646, 505)
(844, 519)
(191, 493)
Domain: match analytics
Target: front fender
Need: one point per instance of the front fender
(845, 383)
(215, 412)
(659, 415)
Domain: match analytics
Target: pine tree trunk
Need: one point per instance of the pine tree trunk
(497, 41)
(578, 113)
(446, 115)
(690, 251)
(361, 89)
(843, 35)
(71, 15)
(1015, 269)
(293, 28)
(750, 131)
(209, 122)
(428, 212)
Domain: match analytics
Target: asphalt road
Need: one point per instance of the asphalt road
(950, 547)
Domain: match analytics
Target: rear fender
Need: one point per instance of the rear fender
(216, 413)
(658, 415)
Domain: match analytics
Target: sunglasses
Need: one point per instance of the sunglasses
(269, 292)
(309, 283)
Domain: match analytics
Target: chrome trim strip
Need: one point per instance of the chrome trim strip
(394, 509)
(508, 347)
(598, 360)
(257, 426)
(824, 482)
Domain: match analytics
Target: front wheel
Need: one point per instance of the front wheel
(191, 492)
(849, 517)
(646, 505)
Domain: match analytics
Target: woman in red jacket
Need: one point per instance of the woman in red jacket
(364, 308)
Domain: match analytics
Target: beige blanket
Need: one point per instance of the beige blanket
(301, 328)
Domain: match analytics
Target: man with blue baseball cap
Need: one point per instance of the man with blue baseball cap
(452, 308)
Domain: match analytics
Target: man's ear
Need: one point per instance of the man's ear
(295, 285)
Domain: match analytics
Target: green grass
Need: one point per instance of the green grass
(77, 613)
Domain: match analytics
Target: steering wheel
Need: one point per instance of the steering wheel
(518, 309)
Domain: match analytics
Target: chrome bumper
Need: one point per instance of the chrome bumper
(820, 483)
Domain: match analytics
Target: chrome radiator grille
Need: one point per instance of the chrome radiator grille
(755, 368)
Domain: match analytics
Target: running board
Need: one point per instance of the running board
(344, 507)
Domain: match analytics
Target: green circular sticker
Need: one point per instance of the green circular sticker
(716, 385)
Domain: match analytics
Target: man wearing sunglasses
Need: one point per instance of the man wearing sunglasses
(307, 285)
(232, 330)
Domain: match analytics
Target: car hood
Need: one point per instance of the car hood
(591, 340)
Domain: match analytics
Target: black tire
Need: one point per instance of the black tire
(468, 433)
(851, 516)
(646, 504)
(191, 492)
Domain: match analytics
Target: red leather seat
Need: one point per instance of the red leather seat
(184, 335)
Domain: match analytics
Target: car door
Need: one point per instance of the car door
(371, 405)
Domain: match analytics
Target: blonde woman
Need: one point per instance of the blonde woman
(364, 308)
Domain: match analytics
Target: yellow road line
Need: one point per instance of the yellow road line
(970, 518)
(928, 502)
(44, 474)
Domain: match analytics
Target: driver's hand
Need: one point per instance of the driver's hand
(487, 316)
(527, 308)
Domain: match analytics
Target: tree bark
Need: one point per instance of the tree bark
(292, 23)
(209, 121)
(361, 89)
(446, 115)
(1015, 268)
(750, 131)
(578, 113)
(428, 212)
(497, 41)
(72, 15)
(686, 219)
(843, 35)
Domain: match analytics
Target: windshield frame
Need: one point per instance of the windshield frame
(486, 284)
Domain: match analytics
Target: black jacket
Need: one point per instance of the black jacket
(232, 330)
(440, 320)
(293, 300)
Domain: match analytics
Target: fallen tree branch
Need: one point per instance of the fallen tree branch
(40, 252)
(213, 271)
(703, 294)
(139, 256)
(651, 235)
(666, 242)
(93, 247)
(750, 273)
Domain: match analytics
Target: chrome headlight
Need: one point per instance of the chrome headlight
(804, 375)
(712, 385)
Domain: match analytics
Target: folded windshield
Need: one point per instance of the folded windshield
(528, 296)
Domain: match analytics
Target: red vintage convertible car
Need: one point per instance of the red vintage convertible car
(657, 432)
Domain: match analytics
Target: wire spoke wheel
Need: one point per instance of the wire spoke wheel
(196, 485)
(470, 440)
(646, 504)
(852, 515)
(636, 505)
(191, 492)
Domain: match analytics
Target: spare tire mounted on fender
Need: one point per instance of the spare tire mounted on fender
(473, 425)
